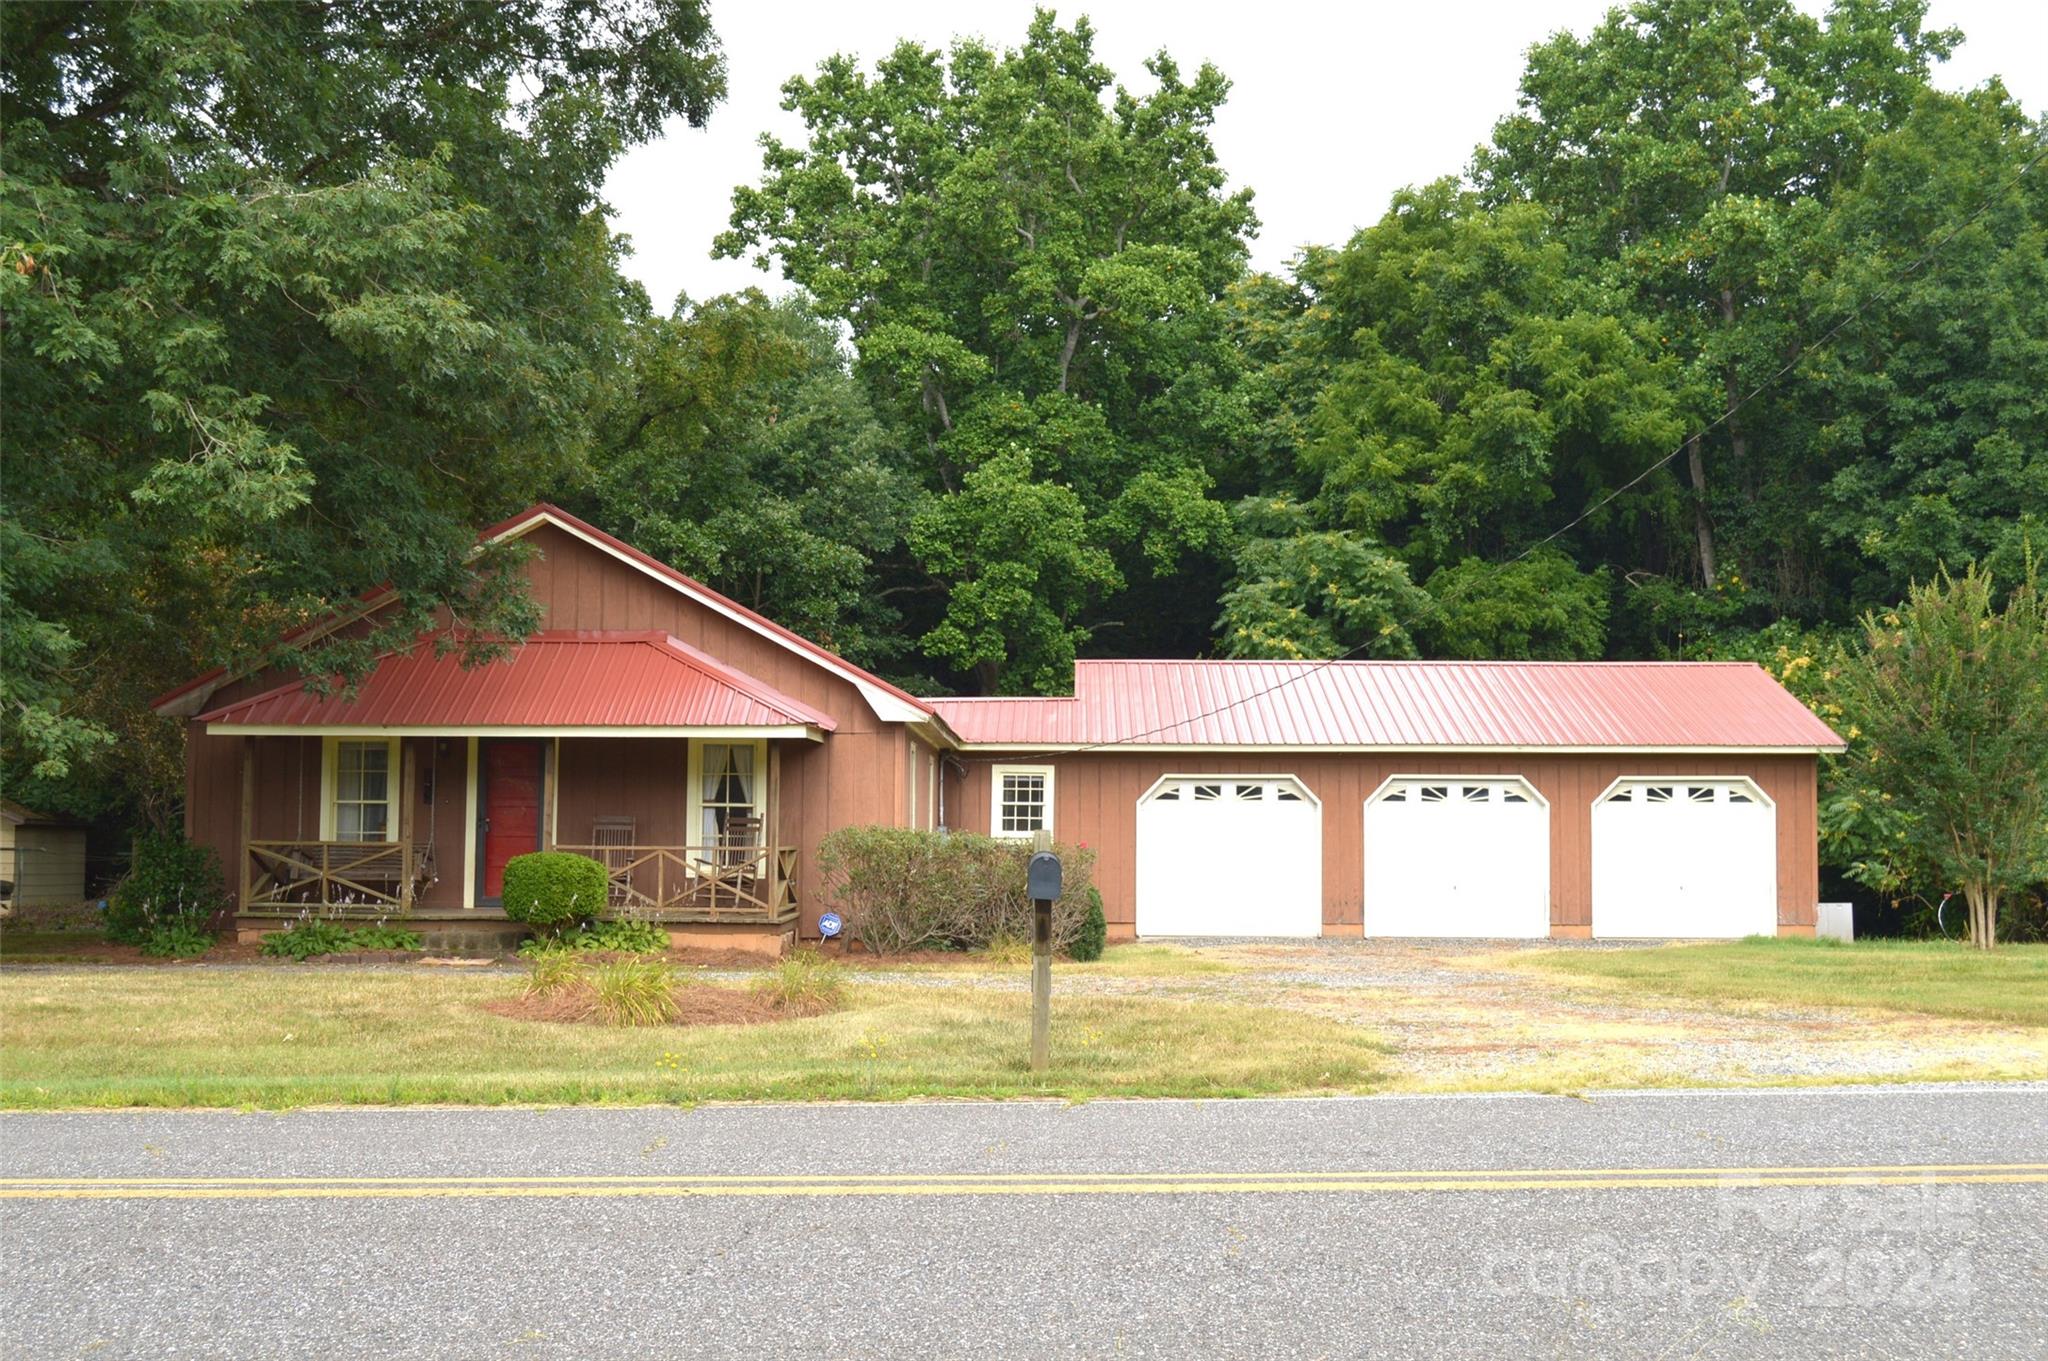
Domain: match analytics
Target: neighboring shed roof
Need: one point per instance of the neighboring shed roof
(557, 680)
(1656, 706)
(12, 812)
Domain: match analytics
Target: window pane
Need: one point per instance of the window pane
(348, 822)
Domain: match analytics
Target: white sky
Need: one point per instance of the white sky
(1334, 105)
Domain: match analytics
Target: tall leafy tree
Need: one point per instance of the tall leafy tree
(742, 449)
(1690, 149)
(1031, 263)
(294, 297)
(1447, 387)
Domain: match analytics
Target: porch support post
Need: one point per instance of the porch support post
(408, 781)
(551, 757)
(772, 823)
(247, 823)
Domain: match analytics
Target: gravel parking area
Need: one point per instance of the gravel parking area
(1458, 1017)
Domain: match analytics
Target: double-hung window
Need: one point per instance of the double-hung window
(362, 789)
(1022, 800)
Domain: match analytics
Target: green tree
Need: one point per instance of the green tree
(1302, 592)
(1015, 547)
(1947, 699)
(295, 296)
(1027, 260)
(743, 450)
(1689, 150)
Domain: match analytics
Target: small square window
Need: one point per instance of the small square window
(1251, 793)
(1699, 793)
(1208, 793)
(1436, 793)
(1476, 793)
(1023, 800)
(1657, 793)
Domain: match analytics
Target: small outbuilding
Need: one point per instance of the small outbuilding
(42, 858)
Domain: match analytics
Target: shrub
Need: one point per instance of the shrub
(902, 889)
(177, 940)
(616, 937)
(1094, 930)
(804, 984)
(319, 936)
(170, 883)
(550, 889)
(635, 992)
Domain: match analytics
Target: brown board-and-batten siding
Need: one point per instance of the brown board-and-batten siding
(860, 774)
(1095, 801)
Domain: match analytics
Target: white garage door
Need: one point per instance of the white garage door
(1230, 855)
(1685, 857)
(1457, 856)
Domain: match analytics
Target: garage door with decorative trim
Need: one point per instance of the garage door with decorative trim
(1684, 856)
(1457, 856)
(1230, 855)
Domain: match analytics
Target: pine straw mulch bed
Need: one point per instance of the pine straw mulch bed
(697, 1004)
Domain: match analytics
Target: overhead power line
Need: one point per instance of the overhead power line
(1889, 287)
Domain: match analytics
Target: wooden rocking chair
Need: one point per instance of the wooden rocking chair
(614, 839)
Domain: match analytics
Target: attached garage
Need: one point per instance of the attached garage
(1457, 855)
(1683, 856)
(1482, 800)
(1230, 855)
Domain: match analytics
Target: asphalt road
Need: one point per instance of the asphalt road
(1800, 1222)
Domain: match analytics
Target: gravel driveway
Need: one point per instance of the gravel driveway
(1457, 1017)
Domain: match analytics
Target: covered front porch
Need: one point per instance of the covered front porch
(407, 798)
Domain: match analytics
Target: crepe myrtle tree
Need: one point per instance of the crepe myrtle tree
(1946, 707)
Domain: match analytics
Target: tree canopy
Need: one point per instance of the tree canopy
(295, 298)
(1734, 330)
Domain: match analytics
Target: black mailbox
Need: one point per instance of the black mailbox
(1043, 879)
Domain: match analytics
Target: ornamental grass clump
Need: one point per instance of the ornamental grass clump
(635, 991)
(804, 984)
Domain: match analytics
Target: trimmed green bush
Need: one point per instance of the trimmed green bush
(170, 883)
(903, 889)
(1094, 932)
(550, 889)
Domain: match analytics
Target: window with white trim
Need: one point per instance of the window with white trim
(361, 804)
(1022, 800)
(726, 784)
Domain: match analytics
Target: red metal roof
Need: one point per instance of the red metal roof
(544, 513)
(555, 679)
(1654, 705)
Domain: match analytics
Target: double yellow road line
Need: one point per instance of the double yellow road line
(1048, 1183)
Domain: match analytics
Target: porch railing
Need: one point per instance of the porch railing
(755, 884)
(336, 878)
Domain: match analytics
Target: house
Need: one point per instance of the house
(42, 858)
(702, 752)
(1440, 799)
(698, 749)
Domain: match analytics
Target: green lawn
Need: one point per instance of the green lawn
(282, 1037)
(1936, 978)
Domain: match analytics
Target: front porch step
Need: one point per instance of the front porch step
(470, 939)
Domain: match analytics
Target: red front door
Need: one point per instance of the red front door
(511, 776)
